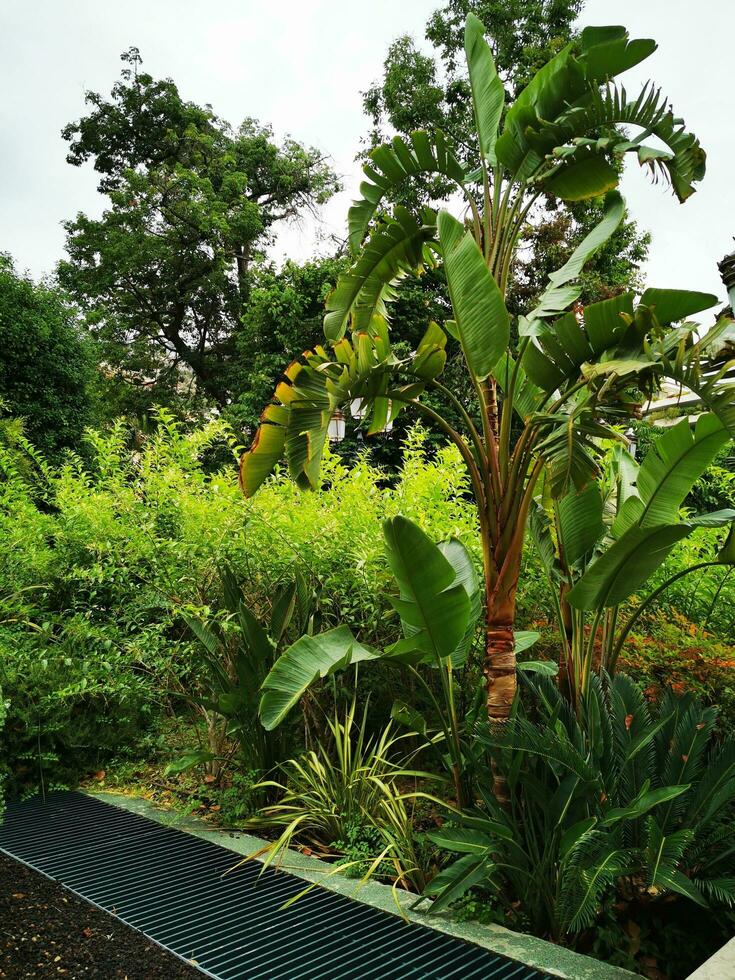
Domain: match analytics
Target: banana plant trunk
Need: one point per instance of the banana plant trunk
(499, 666)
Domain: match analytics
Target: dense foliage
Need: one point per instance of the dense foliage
(164, 275)
(47, 371)
(489, 662)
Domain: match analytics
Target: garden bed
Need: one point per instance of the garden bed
(48, 931)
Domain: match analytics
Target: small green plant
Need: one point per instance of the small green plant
(622, 801)
(237, 650)
(336, 786)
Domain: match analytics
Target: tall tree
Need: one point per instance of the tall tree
(283, 319)
(46, 368)
(164, 274)
(570, 375)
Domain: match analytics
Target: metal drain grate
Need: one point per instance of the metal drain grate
(173, 887)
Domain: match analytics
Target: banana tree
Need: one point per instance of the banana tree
(602, 544)
(570, 374)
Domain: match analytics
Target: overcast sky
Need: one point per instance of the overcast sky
(301, 66)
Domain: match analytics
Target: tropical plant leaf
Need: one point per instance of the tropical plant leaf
(545, 667)
(434, 604)
(461, 840)
(645, 801)
(304, 662)
(523, 640)
(458, 557)
(672, 305)
(395, 249)
(583, 176)
(393, 163)
(488, 94)
(608, 51)
(626, 565)
(451, 883)
(482, 320)
(408, 716)
(663, 854)
(591, 867)
(669, 471)
(561, 349)
(196, 757)
(580, 523)
(557, 296)
(716, 789)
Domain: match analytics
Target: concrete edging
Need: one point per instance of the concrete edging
(526, 949)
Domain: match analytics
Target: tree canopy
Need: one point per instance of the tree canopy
(164, 275)
(46, 369)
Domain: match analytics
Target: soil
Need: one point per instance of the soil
(47, 931)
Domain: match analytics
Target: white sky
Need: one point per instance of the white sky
(301, 66)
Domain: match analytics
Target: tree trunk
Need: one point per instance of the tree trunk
(500, 669)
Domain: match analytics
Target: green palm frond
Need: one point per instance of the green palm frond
(592, 867)
(716, 789)
(396, 248)
(393, 163)
(663, 855)
(719, 890)
(553, 746)
(687, 754)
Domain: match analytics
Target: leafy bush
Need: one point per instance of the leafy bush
(74, 701)
(620, 803)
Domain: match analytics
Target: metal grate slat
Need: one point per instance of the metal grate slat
(186, 894)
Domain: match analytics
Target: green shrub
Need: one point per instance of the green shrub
(617, 803)
(74, 702)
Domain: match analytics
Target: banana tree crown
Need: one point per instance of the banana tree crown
(571, 373)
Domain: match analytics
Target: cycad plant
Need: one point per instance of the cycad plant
(543, 391)
(631, 801)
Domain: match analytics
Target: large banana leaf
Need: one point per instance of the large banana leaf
(458, 557)
(482, 320)
(390, 165)
(669, 471)
(608, 51)
(306, 660)
(580, 523)
(394, 249)
(633, 558)
(296, 423)
(488, 94)
(434, 603)
(587, 174)
(672, 305)
(560, 81)
(560, 350)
